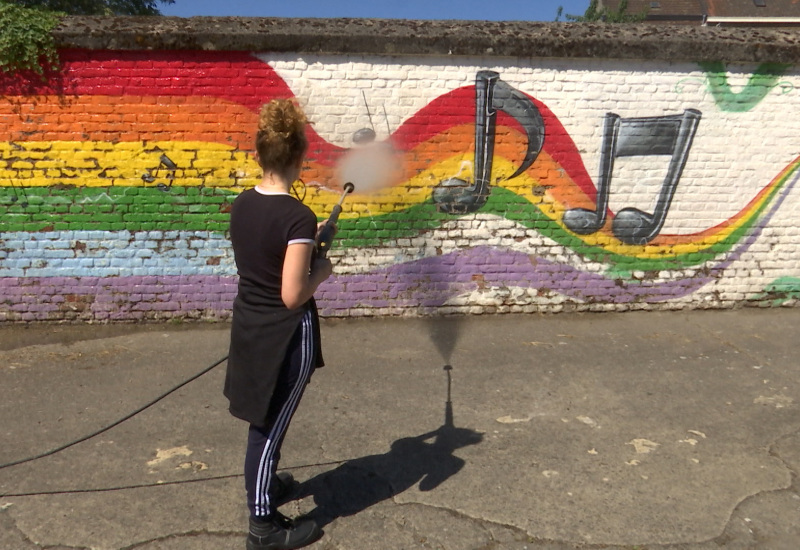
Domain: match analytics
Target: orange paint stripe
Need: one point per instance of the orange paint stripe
(736, 221)
(127, 118)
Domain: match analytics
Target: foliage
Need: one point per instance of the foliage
(605, 15)
(26, 40)
(97, 7)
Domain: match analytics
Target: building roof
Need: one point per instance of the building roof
(662, 9)
(447, 38)
(689, 11)
(753, 8)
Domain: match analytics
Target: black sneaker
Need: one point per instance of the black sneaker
(282, 488)
(281, 533)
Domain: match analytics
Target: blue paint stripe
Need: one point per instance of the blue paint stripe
(115, 254)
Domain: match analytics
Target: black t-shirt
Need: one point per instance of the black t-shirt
(262, 226)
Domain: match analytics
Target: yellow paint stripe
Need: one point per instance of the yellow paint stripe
(102, 164)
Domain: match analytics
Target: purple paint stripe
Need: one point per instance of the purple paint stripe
(433, 281)
(117, 298)
(429, 282)
(758, 228)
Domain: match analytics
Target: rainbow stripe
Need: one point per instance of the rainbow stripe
(81, 167)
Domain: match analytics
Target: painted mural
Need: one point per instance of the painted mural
(117, 176)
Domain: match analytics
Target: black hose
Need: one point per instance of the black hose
(118, 422)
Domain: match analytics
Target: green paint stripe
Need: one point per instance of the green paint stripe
(114, 208)
(537, 220)
(377, 230)
(758, 85)
(780, 291)
(509, 205)
(206, 209)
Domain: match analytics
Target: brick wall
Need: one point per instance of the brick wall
(117, 175)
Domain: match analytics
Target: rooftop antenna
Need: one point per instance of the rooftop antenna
(365, 135)
(369, 115)
(386, 118)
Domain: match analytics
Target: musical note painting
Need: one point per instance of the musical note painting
(665, 135)
(454, 195)
(477, 197)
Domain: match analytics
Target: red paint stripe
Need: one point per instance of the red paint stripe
(458, 107)
(242, 78)
(238, 77)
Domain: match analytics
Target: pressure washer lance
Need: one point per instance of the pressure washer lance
(325, 236)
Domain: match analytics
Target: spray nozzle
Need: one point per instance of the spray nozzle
(325, 237)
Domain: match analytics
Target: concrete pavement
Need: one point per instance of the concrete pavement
(668, 430)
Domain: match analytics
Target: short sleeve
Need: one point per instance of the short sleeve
(302, 226)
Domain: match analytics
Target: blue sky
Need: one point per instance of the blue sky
(497, 10)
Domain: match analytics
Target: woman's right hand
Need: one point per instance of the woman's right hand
(301, 274)
(321, 269)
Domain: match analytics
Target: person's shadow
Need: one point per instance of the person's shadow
(357, 484)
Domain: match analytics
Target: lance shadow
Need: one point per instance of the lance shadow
(426, 460)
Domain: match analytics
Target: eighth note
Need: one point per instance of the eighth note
(457, 196)
(643, 136)
(167, 163)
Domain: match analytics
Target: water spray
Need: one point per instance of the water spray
(325, 237)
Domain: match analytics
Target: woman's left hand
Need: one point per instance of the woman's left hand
(321, 225)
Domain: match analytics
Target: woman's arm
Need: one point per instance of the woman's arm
(300, 278)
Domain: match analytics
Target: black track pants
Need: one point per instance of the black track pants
(264, 444)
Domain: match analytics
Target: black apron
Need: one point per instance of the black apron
(260, 337)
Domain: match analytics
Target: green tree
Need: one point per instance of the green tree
(96, 7)
(26, 27)
(605, 15)
(26, 40)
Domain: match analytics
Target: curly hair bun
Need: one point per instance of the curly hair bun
(281, 139)
(282, 117)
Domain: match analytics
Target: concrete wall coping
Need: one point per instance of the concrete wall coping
(402, 37)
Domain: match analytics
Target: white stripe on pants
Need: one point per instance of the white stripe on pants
(275, 430)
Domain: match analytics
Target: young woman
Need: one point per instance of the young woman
(275, 331)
